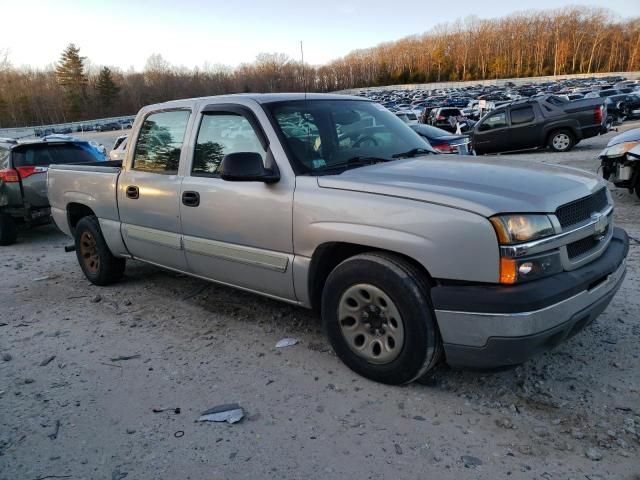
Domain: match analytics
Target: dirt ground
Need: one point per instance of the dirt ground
(70, 408)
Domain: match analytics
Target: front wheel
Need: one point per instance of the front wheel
(377, 315)
(561, 141)
(96, 260)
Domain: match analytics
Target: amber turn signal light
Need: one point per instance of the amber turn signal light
(508, 272)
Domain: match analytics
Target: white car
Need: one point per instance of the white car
(119, 148)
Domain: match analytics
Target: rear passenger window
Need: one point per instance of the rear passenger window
(522, 115)
(221, 134)
(160, 142)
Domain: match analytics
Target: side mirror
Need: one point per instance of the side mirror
(247, 167)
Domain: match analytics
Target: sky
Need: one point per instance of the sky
(189, 33)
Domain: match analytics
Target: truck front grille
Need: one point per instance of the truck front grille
(584, 245)
(580, 210)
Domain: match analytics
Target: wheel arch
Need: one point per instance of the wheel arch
(329, 255)
(75, 212)
(553, 128)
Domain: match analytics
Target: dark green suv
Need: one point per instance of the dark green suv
(23, 179)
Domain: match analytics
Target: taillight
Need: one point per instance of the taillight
(597, 114)
(445, 148)
(440, 118)
(9, 175)
(28, 171)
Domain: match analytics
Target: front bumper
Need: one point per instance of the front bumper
(488, 326)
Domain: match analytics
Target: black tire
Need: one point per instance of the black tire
(561, 141)
(407, 288)
(8, 230)
(96, 260)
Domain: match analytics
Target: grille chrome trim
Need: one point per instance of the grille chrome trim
(587, 229)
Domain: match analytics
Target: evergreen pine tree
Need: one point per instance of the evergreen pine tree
(72, 78)
(106, 88)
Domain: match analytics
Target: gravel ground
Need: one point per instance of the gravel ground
(69, 407)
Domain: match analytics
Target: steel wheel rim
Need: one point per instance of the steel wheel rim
(89, 252)
(371, 324)
(561, 141)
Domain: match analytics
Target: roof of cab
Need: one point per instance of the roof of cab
(261, 98)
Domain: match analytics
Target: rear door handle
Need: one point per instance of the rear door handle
(133, 192)
(191, 199)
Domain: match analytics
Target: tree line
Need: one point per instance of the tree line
(552, 42)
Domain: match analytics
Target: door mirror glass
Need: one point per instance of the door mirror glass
(246, 167)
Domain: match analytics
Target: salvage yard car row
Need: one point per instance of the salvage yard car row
(465, 111)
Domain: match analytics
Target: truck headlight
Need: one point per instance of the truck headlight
(619, 149)
(521, 228)
(517, 228)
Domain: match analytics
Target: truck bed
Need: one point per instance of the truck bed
(93, 185)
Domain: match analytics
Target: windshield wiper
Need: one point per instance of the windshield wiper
(414, 152)
(353, 162)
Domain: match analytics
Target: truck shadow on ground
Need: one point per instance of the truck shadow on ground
(556, 383)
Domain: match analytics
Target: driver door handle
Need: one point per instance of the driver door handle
(133, 192)
(190, 199)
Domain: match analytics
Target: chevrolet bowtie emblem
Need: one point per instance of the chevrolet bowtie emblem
(601, 222)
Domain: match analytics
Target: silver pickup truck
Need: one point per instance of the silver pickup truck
(331, 202)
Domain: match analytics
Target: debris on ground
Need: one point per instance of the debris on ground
(118, 475)
(56, 429)
(230, 413)
(46, 277)
(175, 410)
(47, 361)
(593, 454)
(286, 342)
(470, 462)
(125, 357)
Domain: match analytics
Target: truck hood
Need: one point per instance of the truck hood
(482, 186)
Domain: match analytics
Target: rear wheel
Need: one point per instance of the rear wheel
(377, 315)
(561, 141)
(96, 260)
(8, 230)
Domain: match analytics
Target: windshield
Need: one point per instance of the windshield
(325, 135)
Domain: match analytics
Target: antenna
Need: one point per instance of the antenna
(306, 105)
(304, 77)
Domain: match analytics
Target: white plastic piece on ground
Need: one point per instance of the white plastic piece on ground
(286, 342)
(230, 413)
